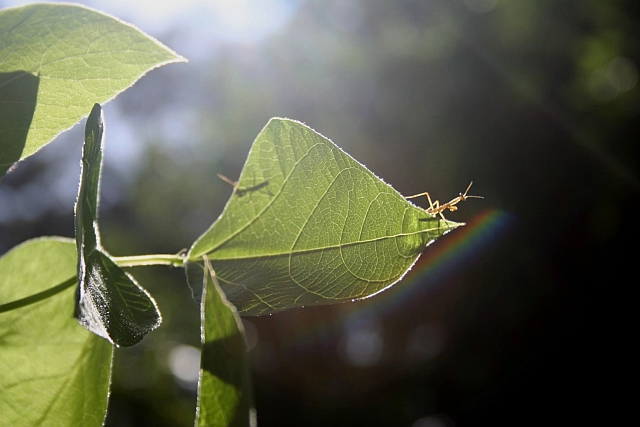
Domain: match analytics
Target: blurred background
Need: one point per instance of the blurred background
(511, 320)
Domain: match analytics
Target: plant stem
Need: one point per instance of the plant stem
(140, 260)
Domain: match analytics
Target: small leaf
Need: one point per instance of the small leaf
(224, 389)
(309, 225)
(56, 61)
(54, 373)
(110, 302)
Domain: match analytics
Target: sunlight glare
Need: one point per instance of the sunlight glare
(229, 20)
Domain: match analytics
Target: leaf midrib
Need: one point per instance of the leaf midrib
(328, 247)
(291, 251)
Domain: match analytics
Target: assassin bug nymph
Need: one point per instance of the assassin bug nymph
(435, 208)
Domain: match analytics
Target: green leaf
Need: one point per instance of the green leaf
(110, 302)
(56, 61)
(224, 389)
(54, 373)
(307, 224)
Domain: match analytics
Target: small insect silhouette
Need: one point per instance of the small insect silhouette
(435, 208)
(241, 191)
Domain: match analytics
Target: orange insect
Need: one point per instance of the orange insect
(435, 208)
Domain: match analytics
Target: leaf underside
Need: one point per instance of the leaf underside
(53, 372)
(56, 61)
(307, 225)
(110, 302)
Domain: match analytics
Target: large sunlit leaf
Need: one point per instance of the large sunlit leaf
(110, 302)
(56, 61)
(307, 225)
(53, 372)
(224, 389)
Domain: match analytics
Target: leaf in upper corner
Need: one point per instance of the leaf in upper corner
(307, 225)
(54, 373)
(110, 302)
(224, 388)
(57, 60)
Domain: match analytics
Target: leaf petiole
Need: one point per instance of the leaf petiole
(176, 260)
(125, 261)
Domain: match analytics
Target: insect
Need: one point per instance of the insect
(242, 191)
(229, 181)
(435, 208)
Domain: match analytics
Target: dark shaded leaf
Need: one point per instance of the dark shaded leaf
(110, 302)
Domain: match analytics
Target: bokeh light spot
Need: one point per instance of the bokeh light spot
(620, 75)
(432, 421)
(184, 363)
(363, 346)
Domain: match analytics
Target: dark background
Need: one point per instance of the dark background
(518, 318)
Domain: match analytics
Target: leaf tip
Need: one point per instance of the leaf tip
(95, 121)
